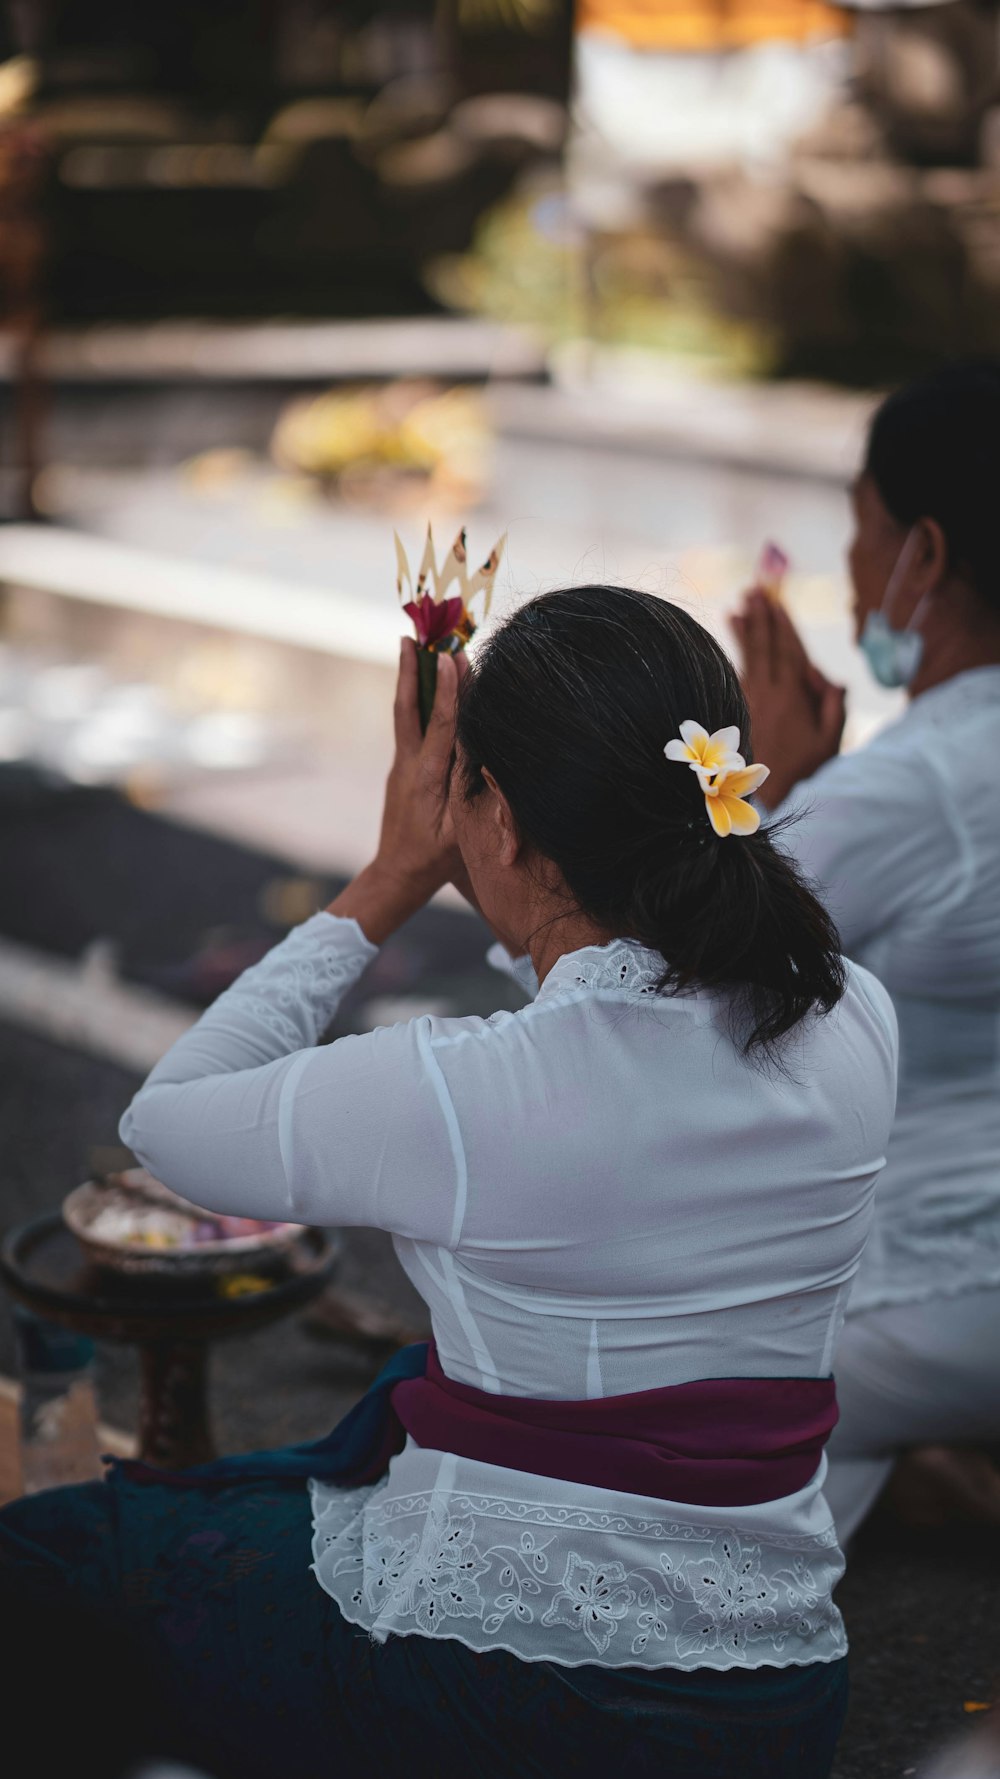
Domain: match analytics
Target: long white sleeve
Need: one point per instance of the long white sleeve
(245, 1115)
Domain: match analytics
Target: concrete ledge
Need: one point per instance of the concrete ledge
(77, 566)
(84, 1005)
(318, 669)
(639, 403)
(575, 393)
(285, 351)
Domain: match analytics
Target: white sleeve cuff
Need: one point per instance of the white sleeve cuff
(352, 938)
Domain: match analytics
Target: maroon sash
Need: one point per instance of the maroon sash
(719, 1442)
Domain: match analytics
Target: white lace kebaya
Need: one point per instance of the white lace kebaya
(595, 1195)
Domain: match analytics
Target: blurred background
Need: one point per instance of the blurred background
(278, 276)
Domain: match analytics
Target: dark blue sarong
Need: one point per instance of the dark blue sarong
(199, 1604)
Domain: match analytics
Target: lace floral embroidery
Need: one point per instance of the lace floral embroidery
(680, 1605)
(592, 1598)
(622, 966)
(575, 1519)
(295, 990)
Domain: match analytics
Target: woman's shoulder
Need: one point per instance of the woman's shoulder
(565, 1015)
(867, 996)
(936, 728)
(568, 1021)
(867, 1004)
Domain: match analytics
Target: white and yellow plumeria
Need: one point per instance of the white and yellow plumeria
(712, 753)
(723, 774)
(724, 796)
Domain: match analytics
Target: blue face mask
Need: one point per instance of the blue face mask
(893, 656)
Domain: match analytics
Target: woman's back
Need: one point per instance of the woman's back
(599, 1195)
(638, 1204)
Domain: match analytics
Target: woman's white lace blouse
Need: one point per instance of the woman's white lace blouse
(596, 1194)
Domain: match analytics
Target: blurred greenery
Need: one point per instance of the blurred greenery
(532, 264)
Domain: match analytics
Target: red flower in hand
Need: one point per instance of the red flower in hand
(435, 620)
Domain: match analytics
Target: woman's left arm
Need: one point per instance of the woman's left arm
(219, 1116)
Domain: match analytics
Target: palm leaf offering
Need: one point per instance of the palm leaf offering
(442, 619)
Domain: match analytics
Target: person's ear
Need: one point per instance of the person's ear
(508, 840)
(931, 563)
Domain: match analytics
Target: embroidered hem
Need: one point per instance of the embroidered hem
(791, 1661)
(568, 1584)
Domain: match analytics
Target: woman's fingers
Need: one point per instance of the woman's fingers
(755, 639)
(406, 710)
(771, 643)
(798, 714)
(441, 728)
(791, 648)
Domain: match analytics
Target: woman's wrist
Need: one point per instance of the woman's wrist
(381, 900)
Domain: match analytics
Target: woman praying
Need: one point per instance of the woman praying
(902, 838)
(587, 1529)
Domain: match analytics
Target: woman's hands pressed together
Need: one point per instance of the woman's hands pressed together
(797, 713)
(416, 851)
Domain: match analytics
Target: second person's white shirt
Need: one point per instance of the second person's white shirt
(902, 839)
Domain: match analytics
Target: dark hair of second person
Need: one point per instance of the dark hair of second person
(934, 453)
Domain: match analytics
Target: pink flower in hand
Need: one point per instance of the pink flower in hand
(435, 620)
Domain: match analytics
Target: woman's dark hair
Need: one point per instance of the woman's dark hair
(934, 453)
(570, 705)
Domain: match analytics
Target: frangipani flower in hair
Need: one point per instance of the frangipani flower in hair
(725, 778)
(443, 624)
(710, 753)
(724, 795)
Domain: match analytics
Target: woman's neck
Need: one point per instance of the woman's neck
(553, 937)
(963, 634)
(956, 655)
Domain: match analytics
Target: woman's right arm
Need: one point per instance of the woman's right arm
(357, 1132)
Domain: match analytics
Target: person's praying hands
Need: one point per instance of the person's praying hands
(798, 714)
